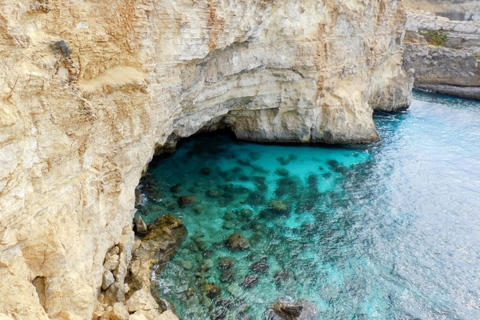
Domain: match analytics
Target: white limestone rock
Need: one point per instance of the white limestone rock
(87, 94)
(107, 280)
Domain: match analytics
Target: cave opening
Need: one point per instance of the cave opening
(251, 211)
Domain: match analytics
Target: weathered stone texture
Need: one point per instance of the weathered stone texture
(89, 88)
(445, 54)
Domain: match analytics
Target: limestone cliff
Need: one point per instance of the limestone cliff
(88, 90)
(445, 54)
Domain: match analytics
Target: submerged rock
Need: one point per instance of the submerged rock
(228, 216)
(250, 281)
(184, 201)
(187, 264)
(279, 206)
(254, 155)
(336, 166)
(211, 290)
(237, 242)
(229, 225)
(282, 172)
(260, 266)
(256, 198)
(286, 186)
(280, 277)
(199, 210)
(213, 193)
(170, 206)
(175, 188)
(284, 161)
(225, 263)
(219, 314)
(227, 276)
(206, 171)
(246, 213)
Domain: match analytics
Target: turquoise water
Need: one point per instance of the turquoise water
(388, 230)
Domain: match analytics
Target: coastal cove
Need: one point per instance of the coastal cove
(385, 230)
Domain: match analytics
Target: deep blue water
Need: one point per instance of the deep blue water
(388, 230)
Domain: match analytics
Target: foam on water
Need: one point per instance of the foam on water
(388, 230)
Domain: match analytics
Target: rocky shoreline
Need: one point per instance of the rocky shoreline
(445, 54)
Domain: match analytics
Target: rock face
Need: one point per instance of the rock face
(445, 54)
(88, 90)
(160, 244)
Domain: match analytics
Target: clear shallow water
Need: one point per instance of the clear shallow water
(389, 230)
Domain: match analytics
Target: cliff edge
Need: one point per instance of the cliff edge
(444, 53)
(89, 89)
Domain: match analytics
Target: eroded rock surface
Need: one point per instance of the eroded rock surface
(445, 54)
(88, 90)
(160, 244)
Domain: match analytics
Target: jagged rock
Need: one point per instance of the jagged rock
(119, 312)
(140, 226)
(112, 262)
(287, 311)
(107, 280)
(164, 237)
(237, 242)
(140, 300)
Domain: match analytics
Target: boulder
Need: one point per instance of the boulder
(211, 290)
(188, 200)
(279, 206)
(237, 242)
(107, 279)
(225, 263)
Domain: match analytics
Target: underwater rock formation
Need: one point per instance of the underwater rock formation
(89, 89)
